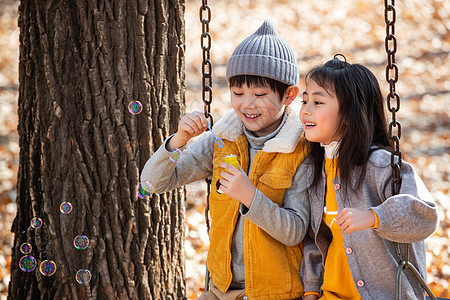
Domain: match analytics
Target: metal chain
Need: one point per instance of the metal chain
(390, 17)
(392, 78)
(205, 42)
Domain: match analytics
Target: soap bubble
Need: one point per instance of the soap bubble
(83, 276)
(144, 189)
(197, 105)
(81, 242)
(36, 222)
(135, 107)
(175, 155)
(65, 207)
(47, 268)
(25, 248)
(27, 263)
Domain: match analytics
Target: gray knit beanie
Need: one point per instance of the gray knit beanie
(265, 54)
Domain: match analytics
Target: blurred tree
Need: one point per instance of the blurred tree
(81, 63)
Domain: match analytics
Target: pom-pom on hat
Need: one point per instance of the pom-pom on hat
(265, 54)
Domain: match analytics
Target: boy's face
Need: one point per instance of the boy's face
(259, 108)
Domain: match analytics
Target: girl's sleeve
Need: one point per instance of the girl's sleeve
(409, 217)
(312, 267)
(195, 163)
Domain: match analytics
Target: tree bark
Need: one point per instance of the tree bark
(81, 63)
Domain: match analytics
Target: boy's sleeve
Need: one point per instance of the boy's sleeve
(312, 268)
(409, 217)
(287, 224)
(195, 163)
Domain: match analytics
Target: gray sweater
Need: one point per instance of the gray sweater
(287, 224)
(409, 217)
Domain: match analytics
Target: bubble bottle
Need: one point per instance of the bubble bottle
(232, 160)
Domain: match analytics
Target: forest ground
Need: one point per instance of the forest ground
(316, 30)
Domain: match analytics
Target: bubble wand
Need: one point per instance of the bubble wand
(194, 108)
(218, 140)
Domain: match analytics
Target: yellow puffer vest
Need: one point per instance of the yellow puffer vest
(272, 270)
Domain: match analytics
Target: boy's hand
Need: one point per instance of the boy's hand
(352, 219)
(236, 184)
(191, 125)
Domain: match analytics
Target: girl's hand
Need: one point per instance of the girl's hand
(191, 125)
(236, 184)
(352, 219)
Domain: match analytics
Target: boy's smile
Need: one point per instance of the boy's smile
(251, 116)
(259, 107)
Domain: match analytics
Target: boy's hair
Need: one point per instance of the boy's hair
(264, 54)
(362, 117)
(252, 80)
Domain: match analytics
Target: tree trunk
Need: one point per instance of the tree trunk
(81, 63)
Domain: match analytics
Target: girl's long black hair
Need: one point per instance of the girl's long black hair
(362, 117)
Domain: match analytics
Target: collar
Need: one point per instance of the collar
(331, 149)
(230, 127)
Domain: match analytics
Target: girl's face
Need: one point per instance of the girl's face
(320, 114)
(259, 108)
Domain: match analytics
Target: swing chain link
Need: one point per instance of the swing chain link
(390, 43)
(390, 17)
(205, 42)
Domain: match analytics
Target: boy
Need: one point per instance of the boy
(260, 212)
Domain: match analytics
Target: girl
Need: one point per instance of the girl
(355, 219)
